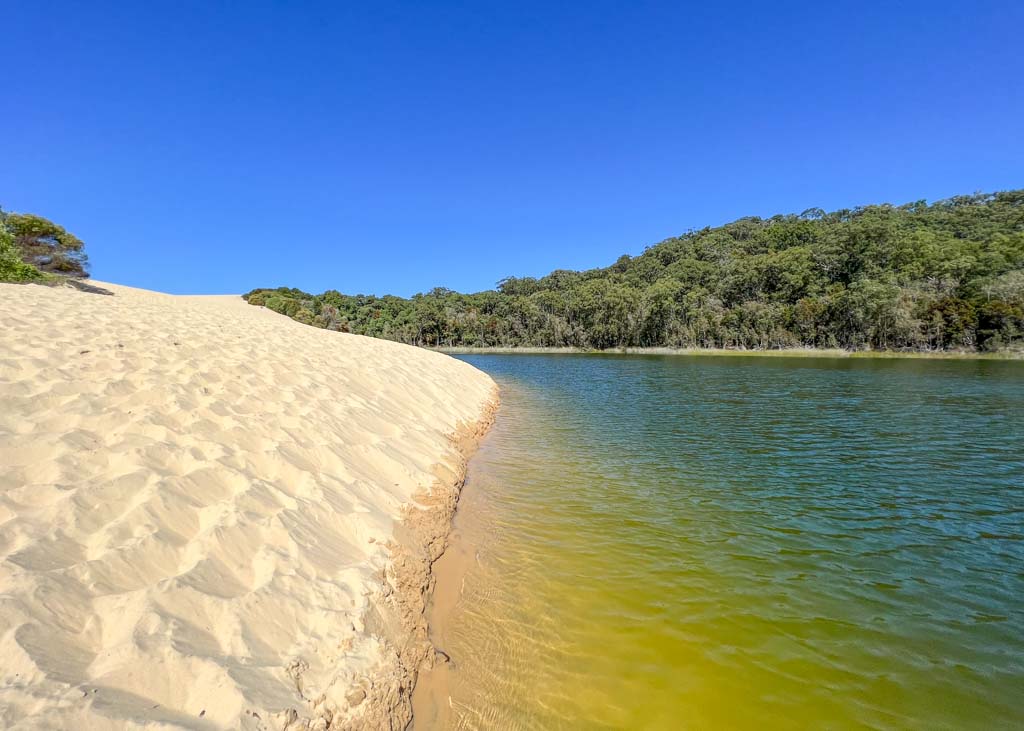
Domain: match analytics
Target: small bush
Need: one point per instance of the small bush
(12, 268)
(304, 316)
(284, 305)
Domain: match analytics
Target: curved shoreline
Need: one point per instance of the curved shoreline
(400, 610)
(432, 695)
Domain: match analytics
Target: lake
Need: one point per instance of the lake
(742, 542)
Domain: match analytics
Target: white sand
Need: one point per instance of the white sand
(195, 497)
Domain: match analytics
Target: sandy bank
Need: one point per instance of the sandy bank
(216, 517)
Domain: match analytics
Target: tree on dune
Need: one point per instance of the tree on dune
(46, 246)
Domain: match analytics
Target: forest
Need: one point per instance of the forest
(944, 276)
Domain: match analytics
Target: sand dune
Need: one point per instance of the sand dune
(197, 501)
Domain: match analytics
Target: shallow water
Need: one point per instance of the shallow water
(721, 543)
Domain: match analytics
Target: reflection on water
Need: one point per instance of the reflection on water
(712, 543)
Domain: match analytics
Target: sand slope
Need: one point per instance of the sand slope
(195, 501)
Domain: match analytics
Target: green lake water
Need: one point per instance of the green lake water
(744, 543)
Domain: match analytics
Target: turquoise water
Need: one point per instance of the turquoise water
(744, 542)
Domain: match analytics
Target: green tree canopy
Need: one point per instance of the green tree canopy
(44, 246)
(949, 275)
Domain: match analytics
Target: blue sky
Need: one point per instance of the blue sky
(393, 147)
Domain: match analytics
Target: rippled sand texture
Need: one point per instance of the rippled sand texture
(195, 499)
(743, 543)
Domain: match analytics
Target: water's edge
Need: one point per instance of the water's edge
(400, 612)
(431, 705)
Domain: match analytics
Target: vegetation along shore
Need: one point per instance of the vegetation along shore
(945, 277)
(1004, 354)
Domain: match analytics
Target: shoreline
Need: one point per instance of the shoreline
(734, 352)
(403, 606)
(431, 699)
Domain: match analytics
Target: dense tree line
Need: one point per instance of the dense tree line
(924, 277)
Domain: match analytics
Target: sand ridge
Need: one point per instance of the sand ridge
(198, 501)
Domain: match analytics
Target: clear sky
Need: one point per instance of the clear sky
(378, 147)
